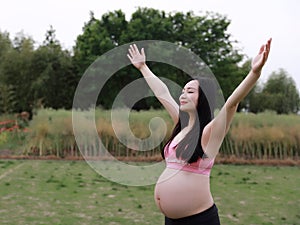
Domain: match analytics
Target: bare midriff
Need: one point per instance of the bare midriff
(180, 193)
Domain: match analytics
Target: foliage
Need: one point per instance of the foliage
(33, 77)
(7, 99)
(16, 74)
(205, 35)
(54, 70)
(279, 94)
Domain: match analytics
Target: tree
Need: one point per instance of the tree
(53, 69)
(7, 99)
(205, 35)
(5, 44)
(98, 37)
(278, 94)
(50, 39)
(281, 94)
(16, 73)
(7, 95)
(148, 24)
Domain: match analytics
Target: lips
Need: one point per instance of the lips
(182, 103)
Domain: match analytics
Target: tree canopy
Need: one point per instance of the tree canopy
(205, 35)
(278, 94)
(47, 75)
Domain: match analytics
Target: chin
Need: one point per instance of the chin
(186, 109)
(183, 109)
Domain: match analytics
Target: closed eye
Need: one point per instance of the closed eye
(189, 90)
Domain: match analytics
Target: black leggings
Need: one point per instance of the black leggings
(207, 217)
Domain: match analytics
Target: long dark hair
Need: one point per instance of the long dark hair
(190, 149)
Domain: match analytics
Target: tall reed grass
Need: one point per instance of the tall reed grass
(51, 133)
(261, 136)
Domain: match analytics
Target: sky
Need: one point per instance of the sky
(253, 22)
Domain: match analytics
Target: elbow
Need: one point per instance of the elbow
(162, 91)
(233, 108)
(231, 104)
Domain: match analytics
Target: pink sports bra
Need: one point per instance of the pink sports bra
(202, 166)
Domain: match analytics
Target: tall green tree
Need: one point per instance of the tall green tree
(98, 37)
(7, 99)
(55, 81)
(148, 24)
(205, 35)
(16, 72)
(281, 94)
(278, 94)
(5, 44)
(7, 94)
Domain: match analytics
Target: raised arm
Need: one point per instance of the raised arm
(159, 88)
(216, 130)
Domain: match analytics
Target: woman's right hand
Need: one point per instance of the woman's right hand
(137, 58)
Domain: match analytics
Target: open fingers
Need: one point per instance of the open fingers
(261, 50)
(267, 49)
(136, 49)
(130, 51)
(133, 50)
(142, 51)
(268, 45)
(129, 57)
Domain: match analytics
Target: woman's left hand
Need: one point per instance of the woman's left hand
(259, 61)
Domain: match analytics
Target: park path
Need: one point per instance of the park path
(11, 170)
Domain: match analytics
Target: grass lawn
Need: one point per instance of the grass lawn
(70, 192)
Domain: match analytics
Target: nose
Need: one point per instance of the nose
(182, 96)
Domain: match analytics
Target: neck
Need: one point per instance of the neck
(192, 119)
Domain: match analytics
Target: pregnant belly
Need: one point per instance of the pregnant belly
(180, 193)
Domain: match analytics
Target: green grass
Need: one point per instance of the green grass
(70, 192)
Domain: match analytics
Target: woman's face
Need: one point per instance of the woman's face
(189, 96)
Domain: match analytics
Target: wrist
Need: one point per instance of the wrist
(143, 66)
(256, 73)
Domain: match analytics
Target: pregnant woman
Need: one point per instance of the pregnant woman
(182, 192)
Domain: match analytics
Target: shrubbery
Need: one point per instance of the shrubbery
(252, 136)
